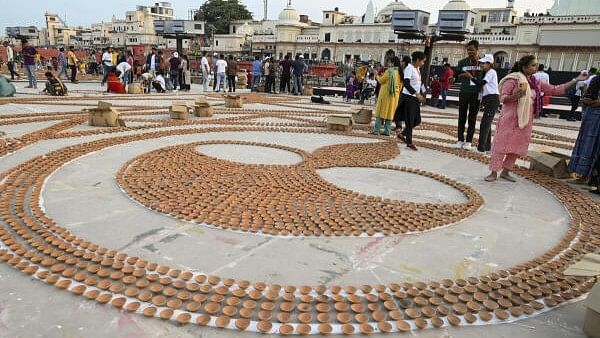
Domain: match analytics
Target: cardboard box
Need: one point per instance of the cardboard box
(175, 115)
(135, 88)
(233, 101)
(103, 116)
(549, 164)
(203, 111)
(591, 324)
(340, 122)
(307, 91)
(363, 116)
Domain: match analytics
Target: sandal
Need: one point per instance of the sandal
(412, 146)
(506, 176)
(401, 137)
(491, 178)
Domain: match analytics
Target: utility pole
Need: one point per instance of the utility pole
(265, 10)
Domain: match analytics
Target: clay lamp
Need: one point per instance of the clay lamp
(413, 313)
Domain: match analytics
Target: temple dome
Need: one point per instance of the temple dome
(289, 15)
(457, 5)
(385, 14)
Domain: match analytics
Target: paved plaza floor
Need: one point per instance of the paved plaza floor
(260, 219)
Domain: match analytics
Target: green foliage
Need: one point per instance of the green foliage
(220, 13)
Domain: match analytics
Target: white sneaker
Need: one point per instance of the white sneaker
(467, 146)
(459, 145)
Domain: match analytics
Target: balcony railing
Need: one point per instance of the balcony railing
(493, 39)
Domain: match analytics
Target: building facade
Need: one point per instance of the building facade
(565, 42)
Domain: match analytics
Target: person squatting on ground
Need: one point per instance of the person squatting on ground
(518, 93)
(54, 86)
(389, 95)
(468, 99)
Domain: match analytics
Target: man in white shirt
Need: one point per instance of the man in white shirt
(124, 71)
(106, 64)
(10, 60)
(205, 69)
(490, 102)
(541, 75)
(221, 69)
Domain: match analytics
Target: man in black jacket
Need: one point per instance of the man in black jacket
(468, 99)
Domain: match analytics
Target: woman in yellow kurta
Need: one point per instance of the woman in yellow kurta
(389, 94)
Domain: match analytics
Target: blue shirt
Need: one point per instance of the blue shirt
(256, 68)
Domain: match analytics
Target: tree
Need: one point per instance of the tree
(220, 13)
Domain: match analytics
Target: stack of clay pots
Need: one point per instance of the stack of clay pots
(202, 108)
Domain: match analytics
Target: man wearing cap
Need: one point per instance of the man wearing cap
(490, 102)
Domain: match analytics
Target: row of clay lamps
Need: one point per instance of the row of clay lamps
(282, 200)
(35, 243)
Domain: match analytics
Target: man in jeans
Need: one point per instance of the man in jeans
(232, 70)
(256, 73)
(29, 53)
(468, 99)
(298, 67)
(221, 70)
(205, 68)
(10, 60)
(286, 75)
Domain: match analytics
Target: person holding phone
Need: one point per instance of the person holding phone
(518, 93)
(469, 72)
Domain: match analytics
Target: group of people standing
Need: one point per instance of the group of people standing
(223, 72)
(400, 97)
(519, 93)
(291, 74)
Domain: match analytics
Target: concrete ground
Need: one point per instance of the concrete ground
(516, 223)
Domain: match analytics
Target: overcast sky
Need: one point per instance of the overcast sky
(84, 12)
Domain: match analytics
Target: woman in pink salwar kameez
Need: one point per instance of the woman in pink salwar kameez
(519, 91)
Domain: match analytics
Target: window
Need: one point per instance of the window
(326, 16)
(483, 18)
(234, 29)
(327, 37)
(198, 26)
(340, 40)
(216, 42)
